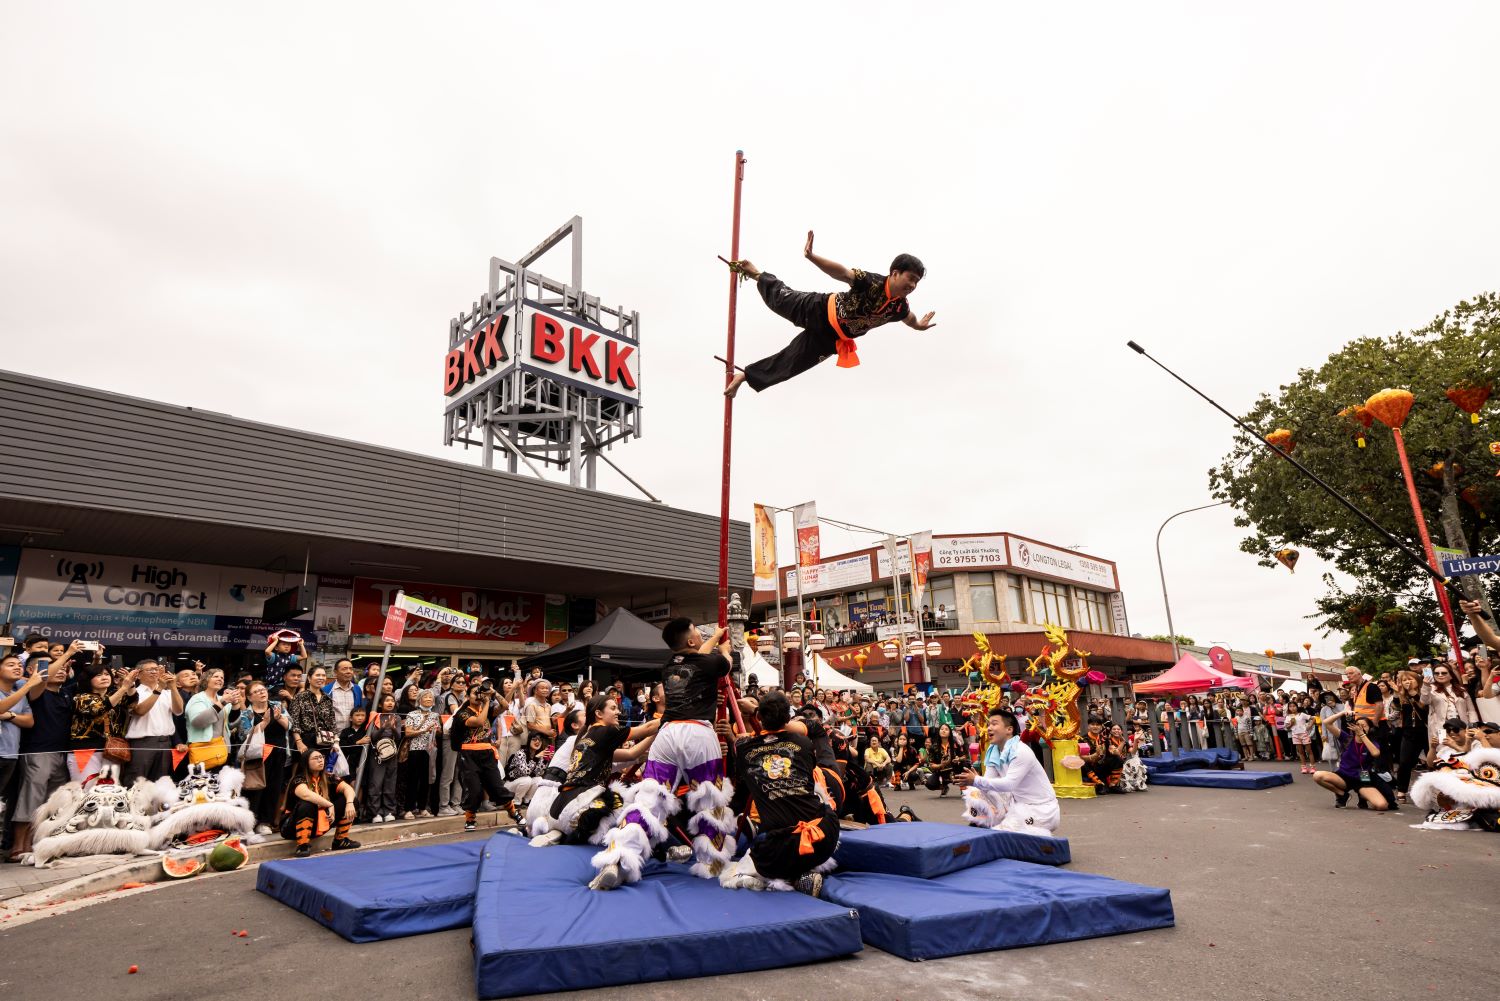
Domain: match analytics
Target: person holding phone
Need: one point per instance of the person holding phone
(45, 745)
(1445, 699)
(1361, 770)
(151, 728)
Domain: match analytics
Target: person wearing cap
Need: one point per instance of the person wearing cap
(284, 650)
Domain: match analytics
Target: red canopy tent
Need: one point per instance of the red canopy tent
(1187, 676)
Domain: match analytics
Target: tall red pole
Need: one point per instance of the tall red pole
(734, 283)
(734, 287)
(1416, 510)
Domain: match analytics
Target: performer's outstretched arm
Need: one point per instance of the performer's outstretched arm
(833, 269)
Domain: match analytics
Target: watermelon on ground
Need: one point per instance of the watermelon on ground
(181, 867)
(228, 855)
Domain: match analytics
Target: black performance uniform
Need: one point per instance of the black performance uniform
(691, 682)
(797, 831)
(588, 772)
(866, 304)
(828, 766)
(478, 769)
(862, 800)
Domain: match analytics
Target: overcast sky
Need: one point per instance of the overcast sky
(274, 210)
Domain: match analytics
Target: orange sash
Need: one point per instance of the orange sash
(811, 833)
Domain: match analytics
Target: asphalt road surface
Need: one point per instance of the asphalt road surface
(1277, 895)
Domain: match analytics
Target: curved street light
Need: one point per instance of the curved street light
(1171, 630)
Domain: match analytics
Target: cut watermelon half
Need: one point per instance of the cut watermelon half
(181, 867)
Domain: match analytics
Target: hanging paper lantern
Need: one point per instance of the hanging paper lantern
(1469, 399)
(1360, 420)
(1281, 438)
(859, 660)
(1288, 558)
(1096, 677)
(1470, 496)
(1390, 406)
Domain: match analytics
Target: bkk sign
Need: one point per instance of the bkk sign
(549, 342)
(134, 601)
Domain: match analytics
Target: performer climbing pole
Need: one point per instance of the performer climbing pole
(830, 322)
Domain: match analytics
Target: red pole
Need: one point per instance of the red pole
(734, 285)
(1416, 510)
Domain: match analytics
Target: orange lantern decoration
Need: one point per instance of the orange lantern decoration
(859, 660)
(1270, 653)
(1390, 407)
(1307, 647)
(1436, 472)
(1281, 438)
(1361, 419)
(1288, 558)
(1470, 496)
(1469, 399)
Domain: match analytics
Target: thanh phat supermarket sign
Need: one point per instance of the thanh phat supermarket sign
(138, 601)
(562, 346)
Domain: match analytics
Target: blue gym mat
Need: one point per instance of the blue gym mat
(924, 849)
(1211, 779)
(539, 928)
(998, 905)
(373, 896)
(1176, 761)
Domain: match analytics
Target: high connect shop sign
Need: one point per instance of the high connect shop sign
(138, 601)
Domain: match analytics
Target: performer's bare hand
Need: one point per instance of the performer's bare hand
(807, 249)
(925, 322)
(965, 778)
(719, 638)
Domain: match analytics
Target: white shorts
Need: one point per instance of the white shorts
(684, 752)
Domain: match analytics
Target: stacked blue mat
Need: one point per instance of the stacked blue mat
(1208, 778)
(917, 890)
(1182, 759)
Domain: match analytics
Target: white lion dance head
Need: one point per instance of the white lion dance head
(95, 817)
(1462, 795)
(201, 802)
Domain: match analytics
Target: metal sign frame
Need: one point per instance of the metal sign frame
(528, 414)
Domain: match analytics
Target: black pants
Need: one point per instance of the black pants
(813, 344)
(150, 759)
(480, 775)
(1413, 746)
(414, 771)
(778, 854)
(301, 824)
(265, 802)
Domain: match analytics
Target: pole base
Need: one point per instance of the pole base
(1068, 782)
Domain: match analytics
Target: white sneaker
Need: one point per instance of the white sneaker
(408, 815)
(390, 817)
(378, 819)
(447, 811)
(608, 878)
(262, 829)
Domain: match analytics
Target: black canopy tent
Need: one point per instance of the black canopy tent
(621, 641)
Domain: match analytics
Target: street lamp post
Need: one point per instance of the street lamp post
(1172, 630)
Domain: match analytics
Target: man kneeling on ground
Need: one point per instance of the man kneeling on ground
(1014, 793)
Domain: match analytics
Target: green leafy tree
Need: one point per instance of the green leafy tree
(1165, 638)
(1451, 462)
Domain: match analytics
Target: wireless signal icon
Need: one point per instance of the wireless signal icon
(78, 575)
(79, 572)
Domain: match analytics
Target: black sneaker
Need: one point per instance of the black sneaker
(1341, 800)
(303, 851)
(810, 883)
(344, 844)
(469, 825)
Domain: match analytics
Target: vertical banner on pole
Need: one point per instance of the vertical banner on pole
(921, 564)
(765, 549)
(806, 516)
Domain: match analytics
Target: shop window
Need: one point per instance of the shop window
(1050, 603)
(940, 594)
(1094, 610)
(1017, 599)
(982, 598)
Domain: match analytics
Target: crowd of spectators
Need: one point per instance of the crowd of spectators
(65, 711)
